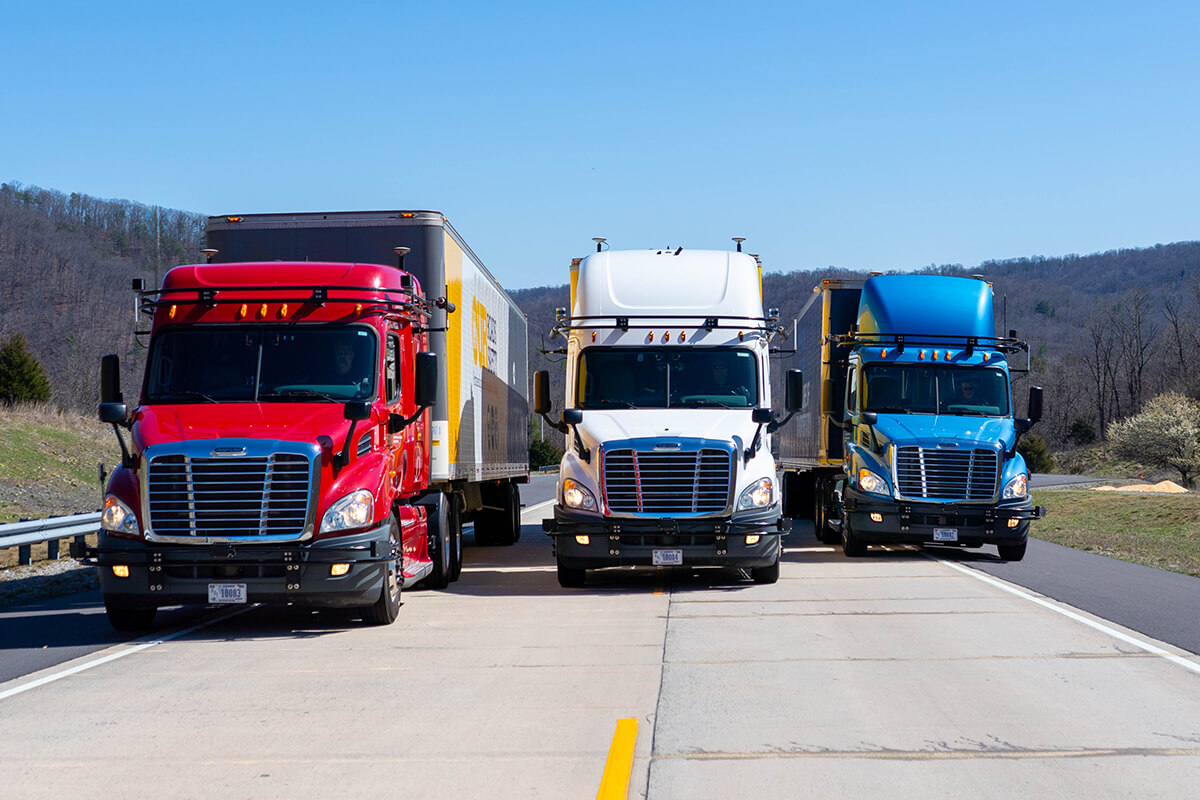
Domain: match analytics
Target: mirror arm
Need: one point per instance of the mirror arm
(754, 445)
(343, 458)
(584, 453)
(126, 458)
(776, 424)
(561, 427)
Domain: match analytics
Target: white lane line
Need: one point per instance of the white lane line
(528, 509)
(1091, 623)
(75, 670)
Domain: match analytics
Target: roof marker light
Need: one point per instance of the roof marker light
(666, 336)
(593, 336)
(171, 313)
(652, 336)
(741, 336)
(921, 356)
(883, 352)
(262, 311)
(243, 311)
(935, 355)
(682, 336)
(358, 309)
(283, 310)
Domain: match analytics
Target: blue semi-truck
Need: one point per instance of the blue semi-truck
(914, 440)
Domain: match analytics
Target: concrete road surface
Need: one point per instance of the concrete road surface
(896, 675)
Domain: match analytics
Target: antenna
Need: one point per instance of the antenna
(599, 240)
(401, 252)
(208, 254)
(739, 240)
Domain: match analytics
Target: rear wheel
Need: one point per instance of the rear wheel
(500, 522)
(123, 618)
(439, 544)
(571, 577)
(454, 517)
(1012, 552)
(385, 610)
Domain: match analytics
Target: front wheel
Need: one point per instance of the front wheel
(852, 546)
(385, 609)
(129, 619)
(571, 577)
(768, 574)
(1012, 552)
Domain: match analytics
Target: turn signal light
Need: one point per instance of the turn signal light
(583, 538)
(121, 570)
(876, 516)
(1012, 523)
(338, 570)
(752, 538)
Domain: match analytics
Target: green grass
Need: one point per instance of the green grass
(1158, 530)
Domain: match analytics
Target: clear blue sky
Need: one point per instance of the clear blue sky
(872, 135)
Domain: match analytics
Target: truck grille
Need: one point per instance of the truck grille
(947, 474)
(226, 497)
(639, 482)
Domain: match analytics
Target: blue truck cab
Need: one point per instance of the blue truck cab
(915, 438)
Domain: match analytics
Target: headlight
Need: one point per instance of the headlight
(759, 494)
(575, 495)
(870, 482)
(118, 518)
(1017, 487)
(352, 511)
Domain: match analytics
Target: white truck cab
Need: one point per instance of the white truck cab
(667, 416)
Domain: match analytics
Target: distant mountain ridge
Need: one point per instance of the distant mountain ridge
(1107, 331)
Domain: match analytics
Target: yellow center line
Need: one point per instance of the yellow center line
(615, 783)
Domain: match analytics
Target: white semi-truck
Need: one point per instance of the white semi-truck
(667, 416)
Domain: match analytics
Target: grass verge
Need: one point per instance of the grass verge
(1158, 530)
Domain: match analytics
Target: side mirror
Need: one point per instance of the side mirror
(761, 415)
(1035, 404)
(793, 391)
(869, 417)
(1022, 424)
(572, 416)
(541, 392)
(357, 410)
(425, 391)
(113, 413)
(110, 380)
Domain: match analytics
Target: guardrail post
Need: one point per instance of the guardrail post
(52, 550)
(25, 555)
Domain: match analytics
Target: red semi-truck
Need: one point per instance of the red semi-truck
(325, 401)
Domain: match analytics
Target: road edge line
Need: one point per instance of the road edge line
(615, 783)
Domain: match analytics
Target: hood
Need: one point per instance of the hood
(929, 429)
(720, 424)
(293, 422)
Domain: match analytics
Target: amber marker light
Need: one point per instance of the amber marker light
(121, 570)
(883, 352)
(652, 336)
(682, 336)
(1012, 523)
(262, 311)
(921, 356)
(358, 309)
(752, 538)
(741, 336)
(171, 313)
(583, 538)
(338, 570)
(876, 516)
(935, 355)
(243, 311)
(666, 336)
(593, 336)
(283, 310)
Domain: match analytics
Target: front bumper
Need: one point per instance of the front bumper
(904, 522)
(708, 542)
(180, 574)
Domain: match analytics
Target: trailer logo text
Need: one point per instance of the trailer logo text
(483, 335)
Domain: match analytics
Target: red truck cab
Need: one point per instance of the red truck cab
(280, 448)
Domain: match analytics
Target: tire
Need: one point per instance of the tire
(385, 610)
(852, 546)
(571, 577)
(454, 516)
(821, 528)
(122, 618)
(499, 525)
(768, 574)
(1012, 552)
(439, 544)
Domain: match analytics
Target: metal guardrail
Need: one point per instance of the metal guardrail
(51, 530)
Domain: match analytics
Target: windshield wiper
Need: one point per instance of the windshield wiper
(706, 402)
(167, 396)
(890, 410)
(298, 393)
(617, 403)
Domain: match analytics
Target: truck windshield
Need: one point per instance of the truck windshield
(261, 363)
(654, 378)
(912, 389)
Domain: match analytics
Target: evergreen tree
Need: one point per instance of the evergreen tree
(22, 379)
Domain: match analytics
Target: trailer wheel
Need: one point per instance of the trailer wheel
(123, 618)
(852, 546)
(385, 610)
(1012, 552)
(501, 523)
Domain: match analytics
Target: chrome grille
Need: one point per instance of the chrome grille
(223, 497)
(679, 482)
(947, 474)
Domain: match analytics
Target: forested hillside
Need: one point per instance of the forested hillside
(1108, 331)
(67, 262)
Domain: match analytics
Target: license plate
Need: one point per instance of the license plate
(227, 593)
(666, 558)
(945, 534)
